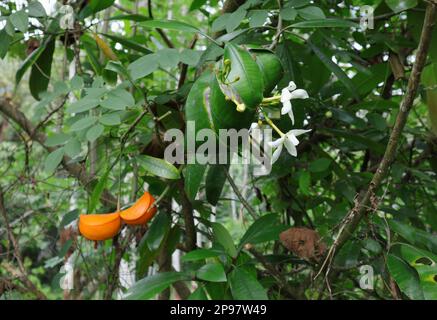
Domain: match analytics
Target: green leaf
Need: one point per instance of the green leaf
(235, 19)
(190, 57)
(94, 132)
(193, 177)
(245, 287)
(41, 71)
(128, 43)
(97, 191)
(258, 18)
(289, 14)
(57, 139)
(304, 182)
(264, 229)
(197, 4)
(170, 25)
(222, 236)
(311, 13)
(245, 80)
(158, 230)
(168, 57)
(5, 41)
(36, 9)
(158, 167)
(220, 23)
(198, 294)
(93, 7)
(271, 68)
(415, 236)
(30, 60)
(83, 123)
(118, 99)
(200, 254)
(214, 183)
(398, 6)
(405, 276)
(110, 119)
(320, 165)
(212, 272)
(53, 160)
(76, 83)
(143, 66)
(82, 105)
(69, 217)
(20, 20)
(195, 107)
(148, 287)
(325, 23)
(72, 148)
(334, 68)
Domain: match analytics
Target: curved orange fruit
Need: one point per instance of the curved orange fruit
(99, 226)
(141, 212)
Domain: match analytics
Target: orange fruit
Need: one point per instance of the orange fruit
(141, 212)
(99, 226)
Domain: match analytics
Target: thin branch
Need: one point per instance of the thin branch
(251, 211)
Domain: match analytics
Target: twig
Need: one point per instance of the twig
(238, 193)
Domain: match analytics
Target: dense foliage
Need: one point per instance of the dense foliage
(89, 90)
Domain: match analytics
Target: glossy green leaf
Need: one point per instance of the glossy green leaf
(311, 13)
(212, 272)
(244, 83)
(214, 183)
(271, 68)
(222, 236)
(150, 286)
(158, 167)
(245, 287)
(128, 43)
(170, 25)
(325, 23)
(224, 113)
(31, 59)
(405, 276)
(193, 177)
(401, 5)
(266, 228)
(200, 254)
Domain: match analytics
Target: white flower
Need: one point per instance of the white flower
(289, 140)
(289, 93)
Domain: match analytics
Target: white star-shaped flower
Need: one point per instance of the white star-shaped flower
(289, 93)
(289, 140)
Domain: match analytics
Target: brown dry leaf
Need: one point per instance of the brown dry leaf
(303, 242)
